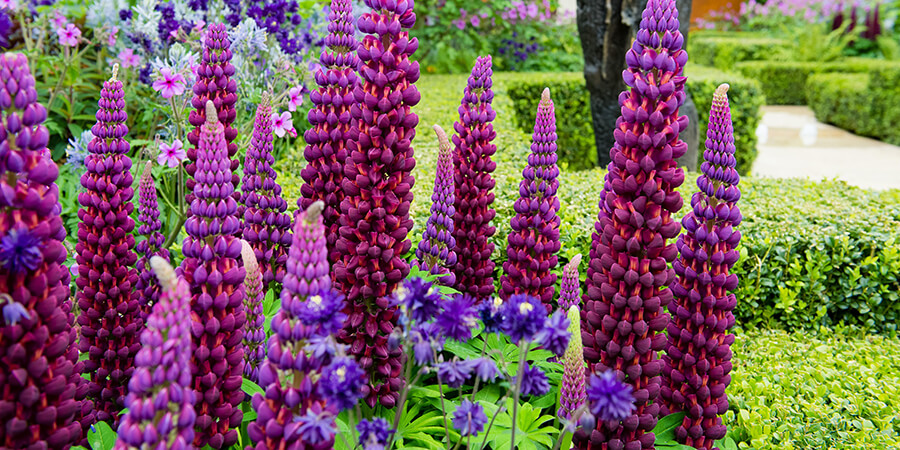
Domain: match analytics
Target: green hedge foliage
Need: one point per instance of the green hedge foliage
(723, 50)
(813, 253)
(863, 103)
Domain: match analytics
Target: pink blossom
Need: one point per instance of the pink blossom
(295, 98)
(113, 34)
(128, 58)
(532, 10)
(283, 124)
(475, 21)
(10, 5)
(460, 23)
(169, 84)
(69, 36)
(59, 20)
(171, 155)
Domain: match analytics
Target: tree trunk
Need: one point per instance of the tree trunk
(607, 29)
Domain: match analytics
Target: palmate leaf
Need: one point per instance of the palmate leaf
(534, 431)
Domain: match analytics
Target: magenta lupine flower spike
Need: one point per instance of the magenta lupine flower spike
(214, 83)
(534, 238)
(473, 185)
(698, 356)
(375, 221)
(627, 277)
(254, 332)
(291, 391)
(331, 119)
(570, 286)
(435, 253)
(160, 400)
(110, 316)
(572, 388)
(152, 245)
(211, 251)
(267, 227)
(42, 400)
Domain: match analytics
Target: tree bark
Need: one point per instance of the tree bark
(607, 29)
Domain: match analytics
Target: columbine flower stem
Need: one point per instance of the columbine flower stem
(523, 352)
(576, 415)
(26, 33)
(477, 379)
(487, 430)
(443, 408)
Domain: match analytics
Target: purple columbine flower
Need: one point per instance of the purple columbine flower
(214, 83)
(610, 399)
(267, 227)
(110, 316)
(160, 398)
(293, 413)
(485, 369)
(458, 317)
(555, 334)
(20, 250)
(534, 381)
(469, 419)
(254, 332)
(435, 253)
(570, 286)
(328, 139)
(534, 239)
(572, 392)
(342, 382)
(211, 266)
(418, 300)
(473, 185)
(698, 356)
(628, 274)
(375, 432)
(455, 372)
(41, 373)
(523, 317)
(152, 245)
(377, 185)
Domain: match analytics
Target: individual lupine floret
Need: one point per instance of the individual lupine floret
(435, 253)
(42, 396)
(698, 356)
(375, 221)
(267, 225)
(214, 83)
(534, 238)
(570, 286)
(211, 267)
(160, 400)
(110, 316)
(628, 275)
(328, 145)
(473, 185)
(254, 332)
(152, 245)
(572, 388)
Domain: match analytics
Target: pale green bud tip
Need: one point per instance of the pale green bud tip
(164, 273)
(251, 265)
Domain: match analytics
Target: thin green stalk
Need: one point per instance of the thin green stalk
(487, 431)
(477, 379)
(523, 352)
(443, 408)
(562, 431)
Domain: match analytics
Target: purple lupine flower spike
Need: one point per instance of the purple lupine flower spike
(110, 316)
(292, 394)
(696, 373)
(572, 387)
(435, 253)
(267, 227)
(377, 185)
(473, 185)
(570, 286)
(331, 119)
(214, 83)
(627, 277)
(160, 400)
(211, 267)
(534, 240)
(254, 333)
(152, 245)
(42, 388)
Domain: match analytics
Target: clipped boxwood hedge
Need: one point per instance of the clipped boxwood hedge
(575, 125)
(814, 253)
(723, 50)
(864, 103)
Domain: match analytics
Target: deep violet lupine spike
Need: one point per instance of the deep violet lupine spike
(290, 392)
(435, 253)
(698, 355)
(331, 119)
(43, 391)
(110, 315)
(572, 387)
(570, 286)
(211, 267)
(627, 277)
(152, 245)
(254, 332)
(267, 225)
(377, 185)
(534, 239)
(473, 185)
(214, 83)
(160, 400)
